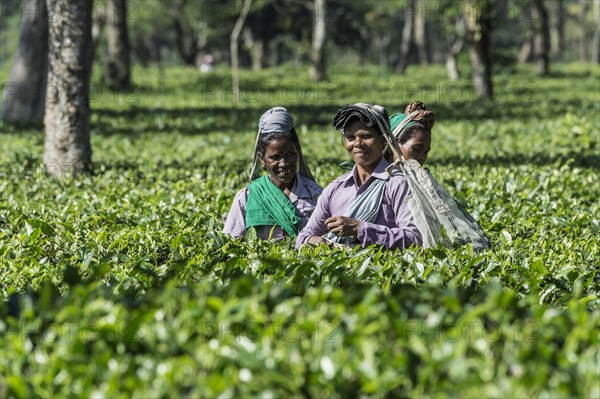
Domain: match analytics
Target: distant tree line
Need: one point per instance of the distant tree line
(389, 33)
(60, 39)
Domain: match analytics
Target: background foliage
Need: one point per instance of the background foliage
(366, 32)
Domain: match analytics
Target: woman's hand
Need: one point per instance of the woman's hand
(343, 226)
(318, 240)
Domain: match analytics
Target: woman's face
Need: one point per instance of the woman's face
(417, 147)
(280, 160)
(364, 144)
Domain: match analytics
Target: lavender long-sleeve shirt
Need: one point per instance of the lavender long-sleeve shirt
(394, 226)
(303, 195)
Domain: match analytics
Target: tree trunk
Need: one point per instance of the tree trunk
(98, 23)
(234, 41)
(501, 13)
(596, 49)
(117, 69)
(273, 53)
(256, 49)
(25, 92)
(407, 33)
(452, 62)
(478, 37)
(142, 50)
(583, 44)
(316, 71)
(185, 50)
(421, 33)
(186, 45)
(560, 29)
(526, 49)
(258, 53)
(383, 44)
(67, 120)
(542, 38)
(455, 48)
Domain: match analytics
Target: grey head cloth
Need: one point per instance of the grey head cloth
(277, 119)
(274, 120)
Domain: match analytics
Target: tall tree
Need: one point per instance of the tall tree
(456, 42)
(186, 40)
(117, 69)
(421, 32)
(583, 43)
(560, 28)
(526, 48)
(98, 23)
(542, 38)
(67, 147)
(25, 92)
(477, 35)
(407, 36)
(234, 43)
(317, 55)
(596, 49)
(256, 47)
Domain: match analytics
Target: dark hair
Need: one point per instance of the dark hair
(266, 138)
(408, 132)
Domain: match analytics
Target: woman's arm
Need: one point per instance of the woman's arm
(316, 224)
(402, 232)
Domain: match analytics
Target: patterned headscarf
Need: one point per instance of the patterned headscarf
(416, 113)
(370, 115)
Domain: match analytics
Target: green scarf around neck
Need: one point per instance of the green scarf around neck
(267, 205)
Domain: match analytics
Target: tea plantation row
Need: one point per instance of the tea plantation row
(121, 283)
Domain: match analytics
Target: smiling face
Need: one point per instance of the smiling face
(418, 146)
(280, 160)
(364, 144)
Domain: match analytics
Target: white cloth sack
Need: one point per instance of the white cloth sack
(437, 215)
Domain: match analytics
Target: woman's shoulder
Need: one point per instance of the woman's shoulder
(338, 182)
(241, 195)
(342, 178)
(310, 184)
(397, 183)
(311, 188)
(397, 174)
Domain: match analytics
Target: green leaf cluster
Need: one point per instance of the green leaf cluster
(121, 283)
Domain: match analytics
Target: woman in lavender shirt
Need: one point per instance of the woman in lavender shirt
(367, 205)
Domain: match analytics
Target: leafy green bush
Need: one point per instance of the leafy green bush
(121, 283)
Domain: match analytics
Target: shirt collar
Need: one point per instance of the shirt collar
(298, 189)
(378, 173)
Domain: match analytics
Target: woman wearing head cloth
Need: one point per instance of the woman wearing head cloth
(414, 135)
(431, 205)
(280, 203)
(367, 205)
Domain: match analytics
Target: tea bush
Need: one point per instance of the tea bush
(121, 283)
